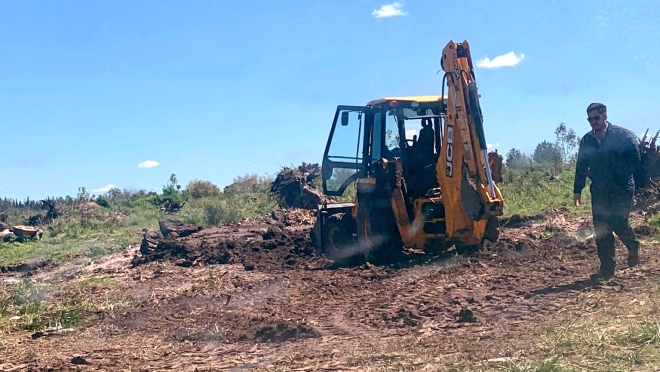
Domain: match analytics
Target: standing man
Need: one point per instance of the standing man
(609, 155)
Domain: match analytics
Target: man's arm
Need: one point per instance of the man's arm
(581, 169)
(633, 161)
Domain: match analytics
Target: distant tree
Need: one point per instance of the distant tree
(516, 159)
(567, 142)
(549, 153)
(83, 195)
(173, 187)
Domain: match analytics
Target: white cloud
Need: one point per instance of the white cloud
(505, 60)
(148, 164)
(410, 133)
(391, 10)
(491, 145)
(106, 188)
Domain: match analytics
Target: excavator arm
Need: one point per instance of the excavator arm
(469, 193)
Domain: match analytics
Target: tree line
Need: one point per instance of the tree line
(558, 153)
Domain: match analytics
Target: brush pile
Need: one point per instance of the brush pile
(293, 187)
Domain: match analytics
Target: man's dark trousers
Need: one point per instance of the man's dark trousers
(611, 207)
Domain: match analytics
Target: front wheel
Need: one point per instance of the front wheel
(338, 239)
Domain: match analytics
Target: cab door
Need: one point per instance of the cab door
(346, 153)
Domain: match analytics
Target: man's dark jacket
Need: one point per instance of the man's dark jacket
(614, 164)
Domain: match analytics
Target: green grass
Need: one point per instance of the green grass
(108, 229)
(216, 211)
(528, 191)
(67, 237)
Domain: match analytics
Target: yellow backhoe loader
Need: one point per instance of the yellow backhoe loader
(418, 169)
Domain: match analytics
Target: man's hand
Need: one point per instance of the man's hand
(577, 199)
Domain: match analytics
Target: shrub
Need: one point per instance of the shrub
(202, 189)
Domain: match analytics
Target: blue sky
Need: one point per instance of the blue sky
(216, 89)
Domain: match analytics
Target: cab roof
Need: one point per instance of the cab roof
(420, 99)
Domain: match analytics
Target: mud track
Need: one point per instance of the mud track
(254, 296)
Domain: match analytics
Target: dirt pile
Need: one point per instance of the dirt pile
(280, 241)
(555, 234)
(647, 200)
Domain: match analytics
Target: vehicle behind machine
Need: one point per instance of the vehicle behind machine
(419, 171)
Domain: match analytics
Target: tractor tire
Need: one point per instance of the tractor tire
(338, 239)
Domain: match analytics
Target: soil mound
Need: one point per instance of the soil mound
(256, 245)
(281, 241)
(542, 236)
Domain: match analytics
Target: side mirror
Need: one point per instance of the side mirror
(344, 118)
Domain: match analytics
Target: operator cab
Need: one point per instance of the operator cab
(409, 128)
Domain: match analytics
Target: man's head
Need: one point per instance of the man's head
(597, 117)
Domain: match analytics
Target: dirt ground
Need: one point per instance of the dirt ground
(253, 296)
